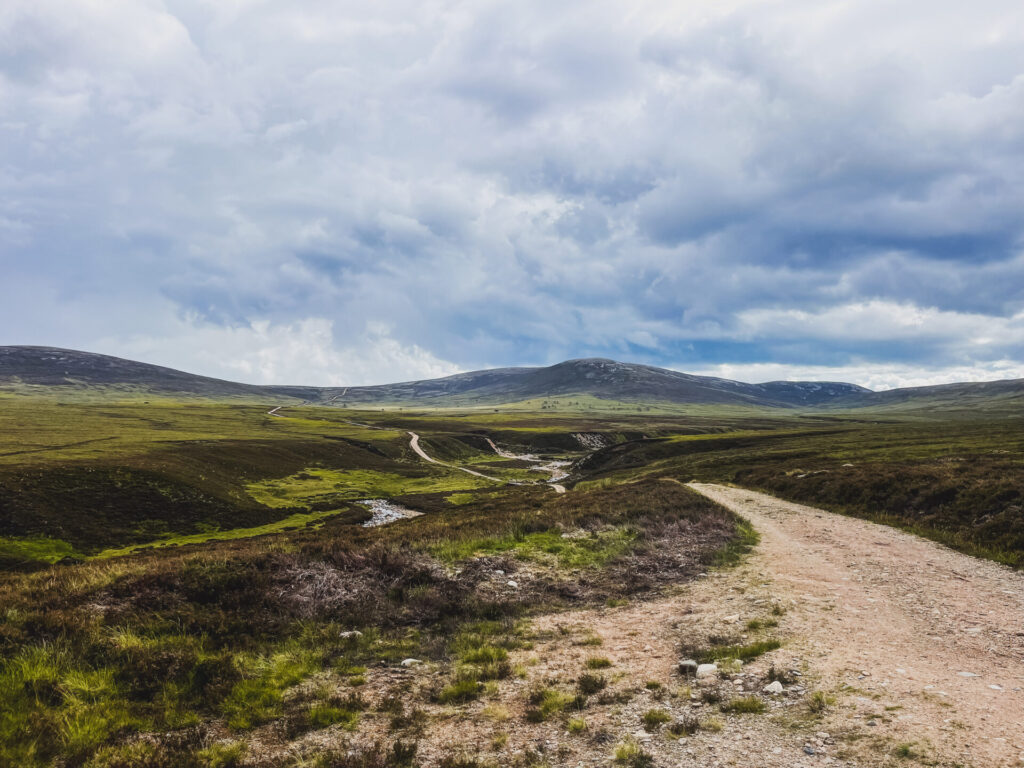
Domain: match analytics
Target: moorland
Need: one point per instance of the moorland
(188, 579)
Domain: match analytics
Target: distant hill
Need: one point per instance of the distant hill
(69, 373)
(72, 372)
(597, 377)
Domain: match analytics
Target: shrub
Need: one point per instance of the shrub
(546, 702)
(750, 705)
(628, 753)
(589, 683)
(598, 662)
(224, 755)
(653, 718)
(819, 702)
(459, 691)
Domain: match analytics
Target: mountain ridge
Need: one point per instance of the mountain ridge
(36, 367)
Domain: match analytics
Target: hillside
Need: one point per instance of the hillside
(597, 377)
(70, 373)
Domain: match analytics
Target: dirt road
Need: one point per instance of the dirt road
(414, 443)
(931, 639)
(918, 651)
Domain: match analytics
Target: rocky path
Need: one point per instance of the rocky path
(923, 643)
(916, 650)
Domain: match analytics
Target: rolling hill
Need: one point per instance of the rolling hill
(70, 373)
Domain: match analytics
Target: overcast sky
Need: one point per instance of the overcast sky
(352, 193)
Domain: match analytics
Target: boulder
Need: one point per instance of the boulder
(707, 670)
(774, 688)
(688, 668)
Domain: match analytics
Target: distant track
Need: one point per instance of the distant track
(414, 443)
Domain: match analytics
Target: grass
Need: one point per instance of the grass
(819, 702)
(631, 755)
(741, 652)
(459, 692)
(42, 549)
(589, 683)
(546, 703)
(317, 486)
(590, 551)
(655, 718)
(298, 520)
(745, 705)
(238, 615)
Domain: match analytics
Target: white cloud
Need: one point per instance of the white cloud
(304, 352)
(876, 376)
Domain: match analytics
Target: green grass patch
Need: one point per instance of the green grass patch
(34, 549)
(745, 705)
(746, 539)
(547, 547)
(298, 520)
(459, 692)
(741, 652)
(317, 486)
(654, 718)
(545, 703)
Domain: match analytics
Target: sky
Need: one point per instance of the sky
(358, 193)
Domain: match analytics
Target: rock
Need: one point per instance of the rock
(500, 573)
(872, 723)
(707, 670)
(513, 584)
(688, 667)
(732, 619)
(774, 688)
(349, 634)
(823, 736)
(808, 749)
(411, 662)
(967, 674)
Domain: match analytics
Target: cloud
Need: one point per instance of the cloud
(794, 183)
(304, 352)
(871, 375)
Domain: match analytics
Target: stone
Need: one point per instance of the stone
(513, 584)
(707, 670)
(688, 667)
(774, 688)
(411, 662)
(349, 634)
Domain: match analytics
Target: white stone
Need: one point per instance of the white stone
(513, 584)
(707, 670)
(411, 662)
(350, 633)
(773, 687)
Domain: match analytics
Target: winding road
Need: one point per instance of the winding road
(414, 443)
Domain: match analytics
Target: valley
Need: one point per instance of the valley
(196, 580)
